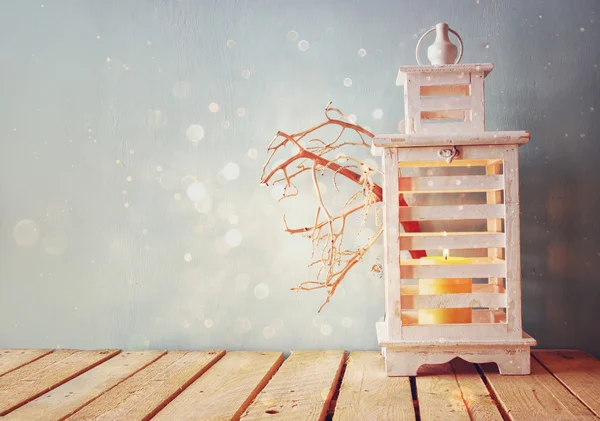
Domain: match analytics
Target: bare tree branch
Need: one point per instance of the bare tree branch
(330, 256)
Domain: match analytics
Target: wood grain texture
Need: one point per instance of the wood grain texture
(477, 101)
(301, 389)
(479, 402)
(456, 300)
(451, 240)
(451, 184)
(65, 400)
(11, 359)
(449, 68)
(368, 394)
(477, 331)
(512, 252)
(497, 270)
(32, 380)
(226, 390)
(578, 371)
(407, 140)
(439, 395)
(142, 395)
(445, 103)
(412, 101)
(451, 212)
(391, 243)
(494, 224)
(537, 396)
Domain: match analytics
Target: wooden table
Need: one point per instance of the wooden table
(46, 384)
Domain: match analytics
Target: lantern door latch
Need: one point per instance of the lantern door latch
(449, 154)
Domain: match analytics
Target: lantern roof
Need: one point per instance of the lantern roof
(445, 68)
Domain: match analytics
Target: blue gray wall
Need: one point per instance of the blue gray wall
(105, 120)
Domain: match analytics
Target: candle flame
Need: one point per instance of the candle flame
(446, 254)
(445, 233)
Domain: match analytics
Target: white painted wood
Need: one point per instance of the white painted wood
(449, 68)
(451, 212)
(453, 271)
(477, 105)
(450, 128)
(402, 140)
(391, 242)
(440, 241)
(446, 103)
(443, 333)
(494, 224)
(432, 79)
(385, 341)
(487, 154)
(459, 300)
(451, 184)
(445, 108)
(511, 360)
(513, 240)
(439, 163)
(412, 104)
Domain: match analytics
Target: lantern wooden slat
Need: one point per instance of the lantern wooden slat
(472, 175)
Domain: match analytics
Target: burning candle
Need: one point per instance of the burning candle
(445, 286)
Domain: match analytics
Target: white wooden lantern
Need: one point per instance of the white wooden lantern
(473, 176)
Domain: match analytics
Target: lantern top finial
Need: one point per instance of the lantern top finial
(442, 51)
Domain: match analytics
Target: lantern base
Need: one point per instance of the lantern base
(403, 358)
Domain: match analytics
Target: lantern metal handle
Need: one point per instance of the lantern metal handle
(460, 44)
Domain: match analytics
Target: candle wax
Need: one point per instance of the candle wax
(445, 286)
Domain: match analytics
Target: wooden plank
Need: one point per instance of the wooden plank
(441, 163)
(468, 155)
(459, 300)
(412, 104)
(445, 103)
(34, 379)
(145, 393)
(226, 390)
(368, 394)
(75, 394)
(479, 402)
(481, 331)
(302, 388)
(448, 68)
(494, 224)
(391, 242)
(11, 359)
(406, 140)
(536, 396)
(452, 184)
(440, 397)
(445, 90)
(450, 212)
(578, 371)
(477, 101)
(453, 271)
(451, 241)
(513, 240)
(429, 127)
(432, 79)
